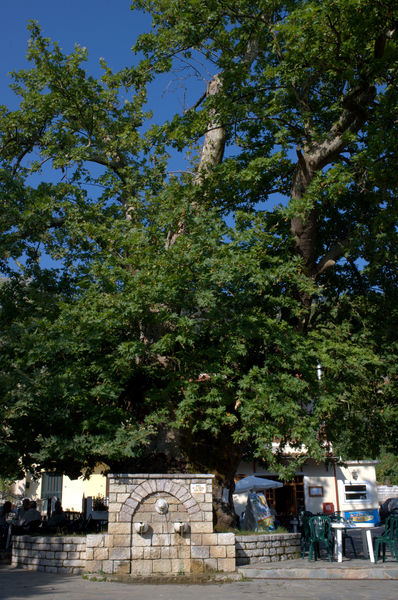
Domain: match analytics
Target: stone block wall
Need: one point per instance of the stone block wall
(160, 549)
(65, 554)
(386, 491)
(204, 551)
(157, 548)
(271, 547)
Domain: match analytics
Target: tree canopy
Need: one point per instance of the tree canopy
(166, 321)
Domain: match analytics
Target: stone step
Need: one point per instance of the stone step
(302, 569)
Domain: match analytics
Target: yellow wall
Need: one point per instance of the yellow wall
(72, 493)
(95, 486)
(73, 490)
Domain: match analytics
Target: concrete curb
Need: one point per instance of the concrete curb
(187, 579)
(331, 573)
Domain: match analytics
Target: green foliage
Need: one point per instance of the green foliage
(387, 469)
(148, 317)
(99, 503)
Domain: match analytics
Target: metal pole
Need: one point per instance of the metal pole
(336, 487)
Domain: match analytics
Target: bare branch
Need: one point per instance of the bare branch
(214, 143)
(198, 103)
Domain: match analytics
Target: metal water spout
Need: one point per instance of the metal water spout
(180, 527)
(141, 527)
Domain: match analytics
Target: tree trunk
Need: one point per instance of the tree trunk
(214, 142)
(219, 456)
(304, 231)
(174, 451)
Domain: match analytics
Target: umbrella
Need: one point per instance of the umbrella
(255, 483)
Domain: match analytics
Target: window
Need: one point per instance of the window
(355, 492)
(51, 485)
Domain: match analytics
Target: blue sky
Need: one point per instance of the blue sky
(107, 29)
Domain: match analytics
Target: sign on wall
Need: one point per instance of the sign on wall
(198, 488)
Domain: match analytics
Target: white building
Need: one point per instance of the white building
(318, 487)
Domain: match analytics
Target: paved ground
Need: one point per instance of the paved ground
(322, 569)
(16, 584)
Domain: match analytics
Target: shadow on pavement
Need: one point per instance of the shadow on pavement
(18, 583)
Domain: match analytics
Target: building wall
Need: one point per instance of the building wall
(365, 473)
(325, 476)
(384, 492)
(319, 475)
(315, 475)
(73, 490)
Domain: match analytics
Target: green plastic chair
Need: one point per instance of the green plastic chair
(304, 524)
(388, 538)
(320, 534)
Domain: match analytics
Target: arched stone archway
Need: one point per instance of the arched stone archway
(179, 490)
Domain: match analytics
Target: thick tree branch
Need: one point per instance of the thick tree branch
(115, 166)
(355, 112)
(214, 142)
(356, 104)
(331, 257)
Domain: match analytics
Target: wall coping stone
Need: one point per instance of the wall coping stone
(50, 539)
(160, 476)
(264, 537)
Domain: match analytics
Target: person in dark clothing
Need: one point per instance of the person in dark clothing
(30, 516)
(58, 518)
(23, 509)
(6, 514)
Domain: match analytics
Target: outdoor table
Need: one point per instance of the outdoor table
(366, 538)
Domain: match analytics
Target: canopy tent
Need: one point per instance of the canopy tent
(253, 483)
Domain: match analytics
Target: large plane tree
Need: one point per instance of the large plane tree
(244, 306)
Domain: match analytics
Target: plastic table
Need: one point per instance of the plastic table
(366, 538)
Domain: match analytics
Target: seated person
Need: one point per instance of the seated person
(58, 517)
(30, 519)
(22, 510)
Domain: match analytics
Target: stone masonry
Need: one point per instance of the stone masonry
(160, 549)
(386, 491)
(66, 554)
(272, 547)
(158, 524)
